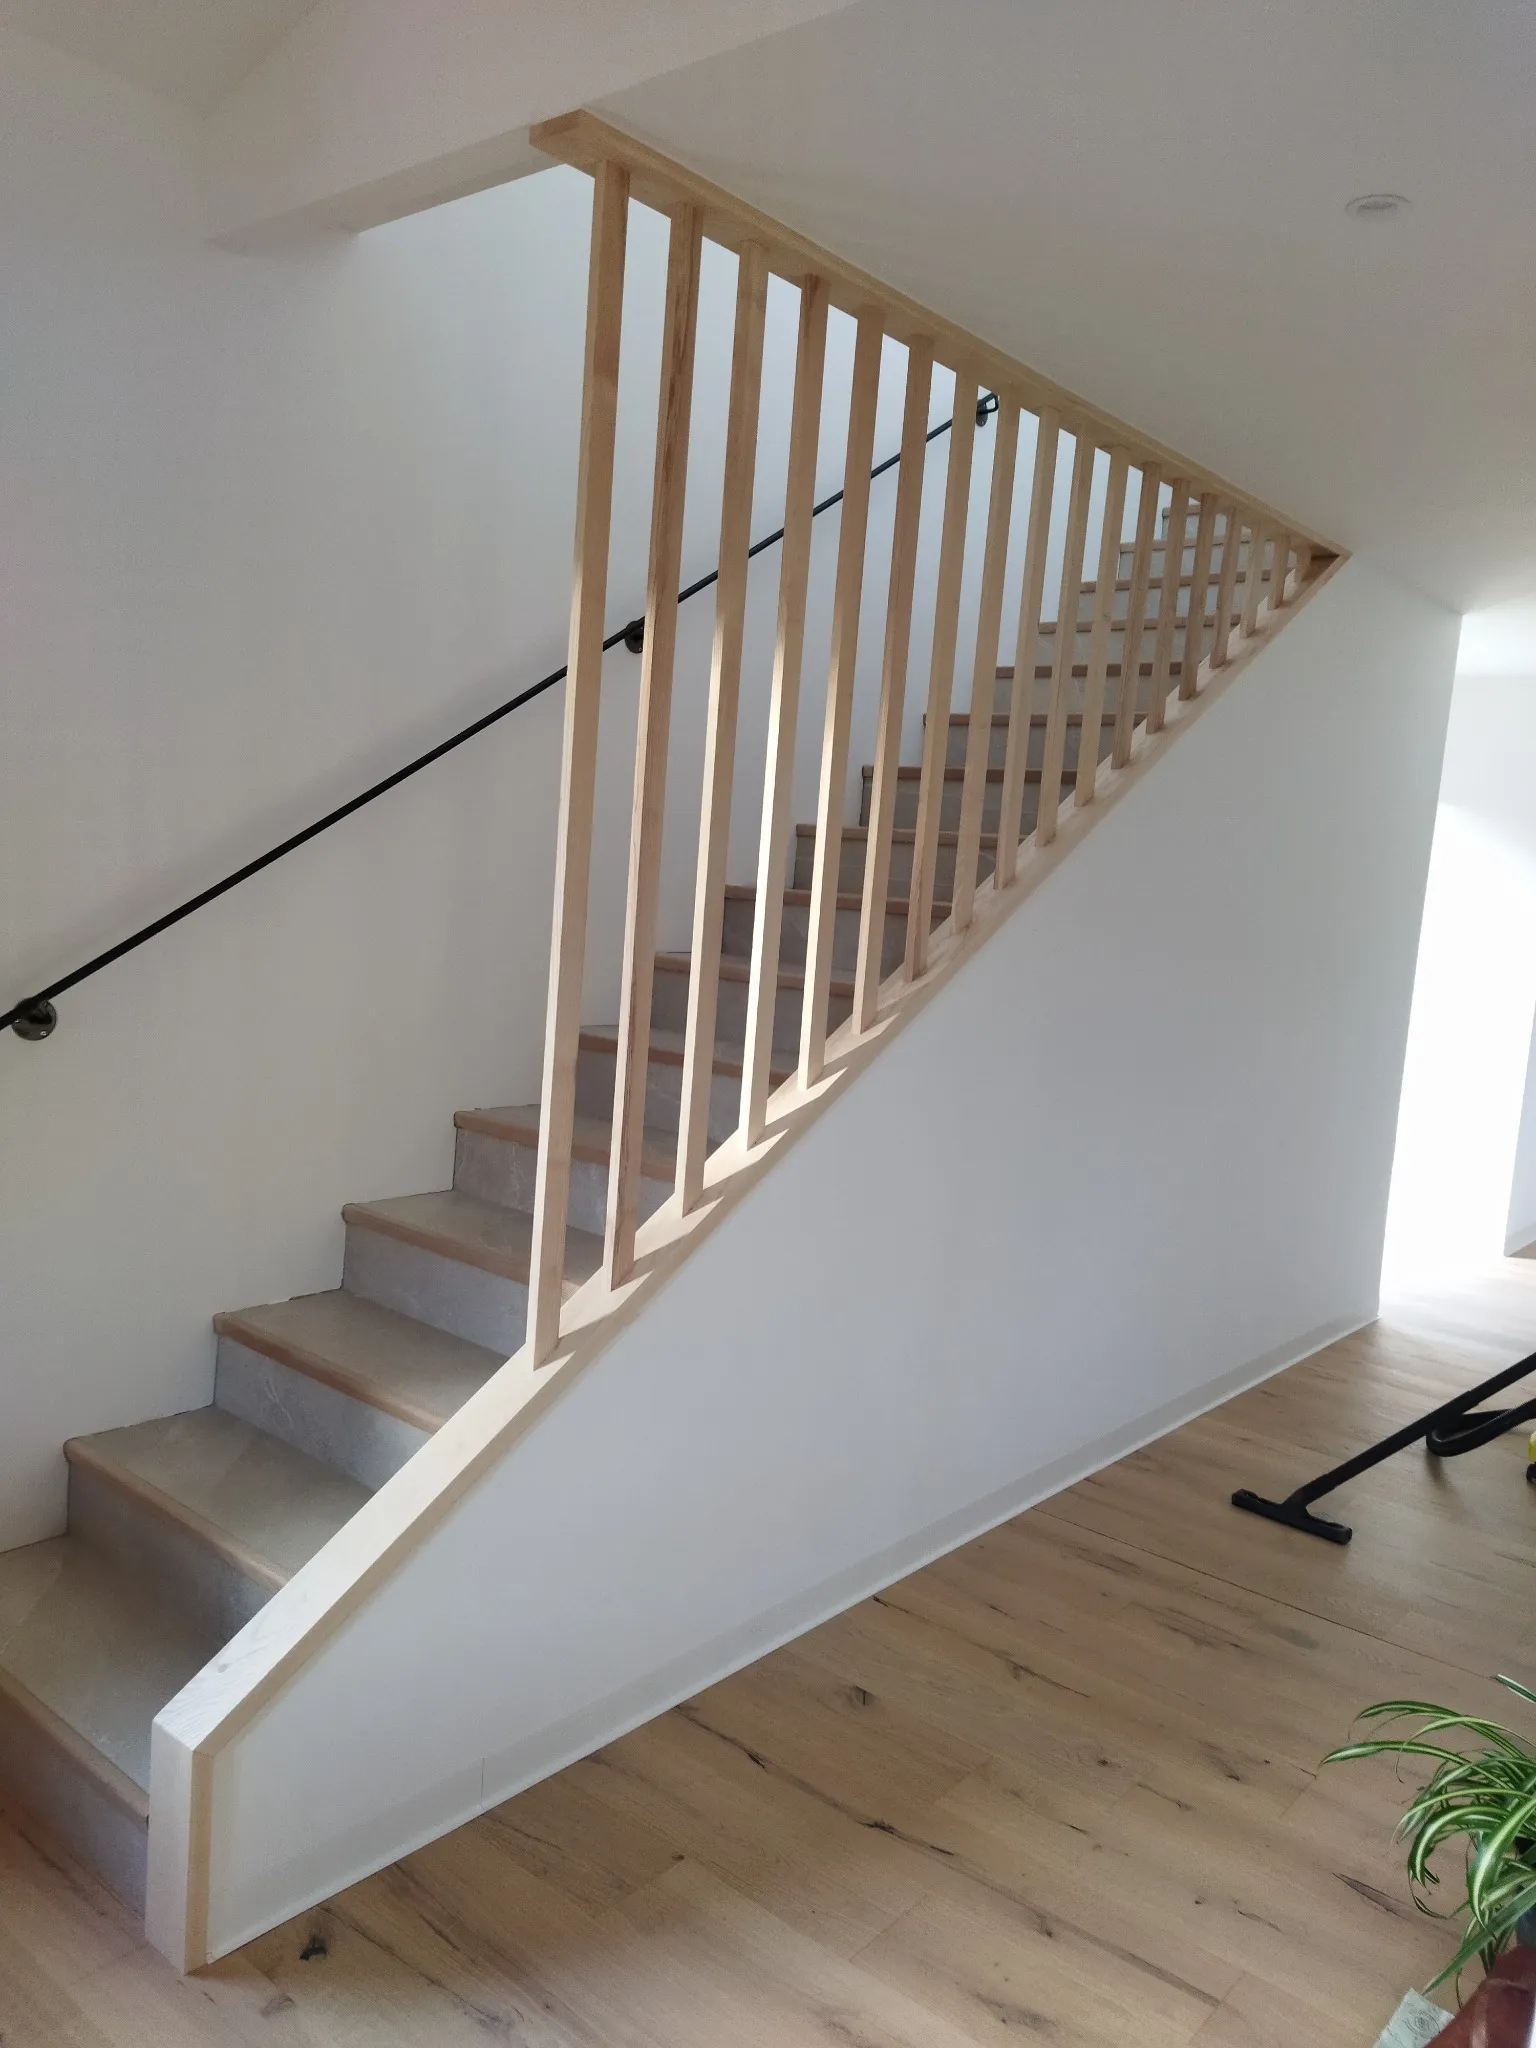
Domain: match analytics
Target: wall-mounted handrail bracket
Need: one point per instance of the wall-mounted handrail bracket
(34, 1019)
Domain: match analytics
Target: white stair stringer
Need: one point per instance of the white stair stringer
(478, 1621)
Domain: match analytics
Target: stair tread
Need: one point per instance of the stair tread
(667, 1046)
(252, 1495)
(477, 1233)
(410, 1370)
(592, 1137)
(101, 1654)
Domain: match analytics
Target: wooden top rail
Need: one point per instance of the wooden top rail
(585, 141)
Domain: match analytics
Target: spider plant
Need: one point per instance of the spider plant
(1483, 1790)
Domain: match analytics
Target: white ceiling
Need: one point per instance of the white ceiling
(191, 51)
(1145, 199)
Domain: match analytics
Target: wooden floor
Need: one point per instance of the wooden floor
(1060, 1786)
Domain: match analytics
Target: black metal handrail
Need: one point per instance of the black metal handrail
(35, 1018)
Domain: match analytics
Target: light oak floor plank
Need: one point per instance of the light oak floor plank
(1060, 1785)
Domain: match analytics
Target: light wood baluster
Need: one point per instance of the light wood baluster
(1303, 566)
(832, 791)
(1136, 614)
(989, 621)
(783, 707)
(1021, 701)
(1066, 641)
(1253, 583)
(893, 683)
(1199, 590)
(679, 331)
(578, 772)
(941, 678)
(1226, 590)
(720, 725)
(1278, 571)
(1168, 605)
(1090, 732)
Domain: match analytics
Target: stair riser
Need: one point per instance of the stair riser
(1002, 699)
(851, 868)
(1034, 751)
(949, 805)
(40, 1778)
(796, 922)
(352, 1435)
(669, 1009)
(1160, 549)
(663, 1094)
(503, 1170)
(159, 1550)
(446, 1292)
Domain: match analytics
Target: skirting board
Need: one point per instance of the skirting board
(434, 1812)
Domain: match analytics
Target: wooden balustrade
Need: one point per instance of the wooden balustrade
(939, 569)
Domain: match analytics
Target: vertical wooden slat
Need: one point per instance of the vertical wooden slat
(989, 621)
(941, 678)
(1226, 589)
(1021, 704)
(1278, 569)
(893, 682)
(1090, 731)
(1168, 605)
(1199, 590)
(783, 706)
(578, 772)
(720, 724)
(1253, 582)
(832, 789)
(1303, 566)
(651, 741)
(1136, 613)
(1066, 641)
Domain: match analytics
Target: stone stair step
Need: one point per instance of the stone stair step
(354, 1383)
(496, 1159)
(88, 1657)
(596, 1066)
(669, 1003)
(455, 1262)
(207, 1507)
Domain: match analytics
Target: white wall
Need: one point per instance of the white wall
(1135, 1155)
(273, 525)
(1464, 1182)
(334, 126)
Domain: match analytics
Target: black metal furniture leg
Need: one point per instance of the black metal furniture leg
(1446, 1432)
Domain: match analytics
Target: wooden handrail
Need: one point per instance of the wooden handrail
(946, 820)
(585, 140)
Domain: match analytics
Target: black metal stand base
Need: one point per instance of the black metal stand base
(1445, 1432)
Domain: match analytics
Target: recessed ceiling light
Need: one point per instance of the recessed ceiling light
(1377, 205)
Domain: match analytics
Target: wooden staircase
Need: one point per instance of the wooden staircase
(181, 1529)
